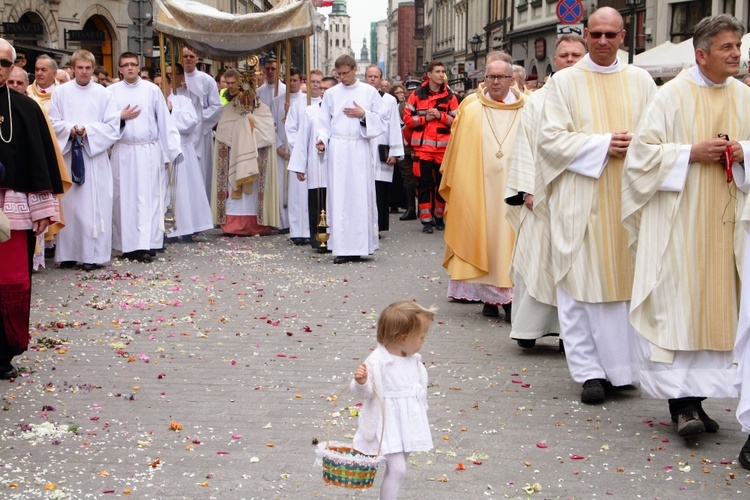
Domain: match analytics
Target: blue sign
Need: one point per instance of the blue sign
(569, 11)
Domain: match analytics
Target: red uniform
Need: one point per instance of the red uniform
(428, 140)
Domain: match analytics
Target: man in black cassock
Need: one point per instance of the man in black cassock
(29, 185)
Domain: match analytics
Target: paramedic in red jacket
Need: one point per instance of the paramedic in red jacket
(428, 116)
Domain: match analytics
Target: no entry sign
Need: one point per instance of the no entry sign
(569, 11)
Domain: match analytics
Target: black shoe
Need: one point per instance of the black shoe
(593, 392)
(710, 424)
(427, 228)
(299, 241)
(744, 457)
(410, 214)
(507, 310)
(90, 267)
(188, 238)
(284, 231)
(526, 343)
(323, 250)
(490, 311)
(139, 255)
(689, 423)
(68, 264)
(7, 370)
(439, 223)
(171, 240)
(341, 259)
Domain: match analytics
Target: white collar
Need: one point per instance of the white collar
(703, 81)
(612, 68)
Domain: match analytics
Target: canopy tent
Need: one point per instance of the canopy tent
(668, 59)
(222, 36)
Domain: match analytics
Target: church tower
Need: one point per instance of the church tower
(339, 40)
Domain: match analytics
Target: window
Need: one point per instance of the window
(685, 16)
(337, 28)
(729, 7)
(337, 43)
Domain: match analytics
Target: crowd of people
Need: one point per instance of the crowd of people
(601, 207)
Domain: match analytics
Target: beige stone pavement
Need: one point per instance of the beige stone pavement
(238, 344)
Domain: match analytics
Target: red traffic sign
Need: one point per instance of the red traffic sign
(569, 11)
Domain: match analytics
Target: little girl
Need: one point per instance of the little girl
(394, 371)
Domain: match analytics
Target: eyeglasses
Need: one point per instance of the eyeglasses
(596, 35)
(494, 78)
(129, 65)
(6, 63)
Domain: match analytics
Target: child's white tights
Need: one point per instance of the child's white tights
(395, 472)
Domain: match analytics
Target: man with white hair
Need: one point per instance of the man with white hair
(478, 238)
(44, 81)
(61, 76)
(29, 183)
(18, 80)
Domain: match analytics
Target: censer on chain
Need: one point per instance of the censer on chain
(322, 230)
(169, 218)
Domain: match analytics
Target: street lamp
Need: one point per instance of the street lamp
(474, 43)
(633, 39)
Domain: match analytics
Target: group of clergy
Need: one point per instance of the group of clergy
(628, 211)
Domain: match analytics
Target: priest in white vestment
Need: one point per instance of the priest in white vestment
(289, 195)
(192, 211)
(268, 91)
(534, 312)
(87, 235)
(681, 212)
(478, 238)
(302, 222)
(349, 120)
(587, 122)
(244, 200)
(41, 91)
(390, 147)
(204, 86)
(149, 140)
(309, 164)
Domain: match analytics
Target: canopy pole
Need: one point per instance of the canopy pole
(278, 65)
(163, 65)
(287, 69)
(307, 65)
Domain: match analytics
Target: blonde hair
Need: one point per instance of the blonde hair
(400, 320)
(82, 55)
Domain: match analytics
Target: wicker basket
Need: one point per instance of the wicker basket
(343, 465)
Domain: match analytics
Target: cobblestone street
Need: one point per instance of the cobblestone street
(208, 374)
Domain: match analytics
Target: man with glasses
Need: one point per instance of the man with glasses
(534, 296)
(589, 114)
(148, 139)
(349, 120)
(684, 191)
(18, 80)
(478, 238)
(29, 182)
(267, 91)
(95, 126)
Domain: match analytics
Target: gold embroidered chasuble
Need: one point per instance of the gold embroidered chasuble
(689, 243)
(590, 257)
(478, 239)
